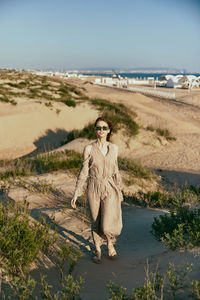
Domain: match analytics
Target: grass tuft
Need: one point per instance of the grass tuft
(69, 102)
(43, 163)
(135, 169)
(162, 132)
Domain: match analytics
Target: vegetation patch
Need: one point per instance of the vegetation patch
(165, 199)
(87, 132)
(21, 242)
(173, 284)
(20, 85)
(118, 114)
(4, 98)
(134, 169)
(162, 132)
(69, 102)
(32, 86)
(20, 239)
(166, 133)
(43, 163)
(179, 230)
(183, 197)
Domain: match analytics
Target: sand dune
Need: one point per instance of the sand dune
(28, 127)
(182, 119)
(32, 126)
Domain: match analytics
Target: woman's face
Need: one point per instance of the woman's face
(102, 129)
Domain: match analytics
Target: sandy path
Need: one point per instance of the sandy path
(135, 246)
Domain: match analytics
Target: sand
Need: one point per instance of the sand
(30, 127)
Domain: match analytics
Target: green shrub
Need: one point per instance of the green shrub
(21, 239)
(117, 292)
(178, 230)
(196, 289)
(29, 239)
(176, 240)
(21, 287)
(195, 190)
(177, 278)
(70, 289)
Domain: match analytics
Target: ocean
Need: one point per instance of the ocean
(156, 76)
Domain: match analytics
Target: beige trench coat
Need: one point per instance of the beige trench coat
(103, 192)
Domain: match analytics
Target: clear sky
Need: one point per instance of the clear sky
(72, 34)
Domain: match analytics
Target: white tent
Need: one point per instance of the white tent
(174, 82)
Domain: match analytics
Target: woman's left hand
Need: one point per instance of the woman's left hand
(73, 202)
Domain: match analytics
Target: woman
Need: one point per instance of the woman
(100, 170)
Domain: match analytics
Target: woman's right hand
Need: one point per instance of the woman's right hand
(73, 202)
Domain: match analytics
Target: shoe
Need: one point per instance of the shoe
(111, 251)
(97, 257)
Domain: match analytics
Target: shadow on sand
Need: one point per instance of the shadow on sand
(74, 238)
(51, 140)
(172, 179)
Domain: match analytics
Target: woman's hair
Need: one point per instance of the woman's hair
(109, 125)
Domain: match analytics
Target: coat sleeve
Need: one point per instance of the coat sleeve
(82, 178)
(117, 176)
(118, 181)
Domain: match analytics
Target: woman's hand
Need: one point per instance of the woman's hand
(73, 202)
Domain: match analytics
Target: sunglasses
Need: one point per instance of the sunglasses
(104, 128)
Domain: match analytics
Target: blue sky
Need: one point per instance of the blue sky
(66, 34)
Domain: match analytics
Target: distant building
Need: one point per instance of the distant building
(183, 81)
(122, 82)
